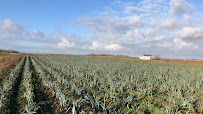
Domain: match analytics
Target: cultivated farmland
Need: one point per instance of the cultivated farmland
(79, 84)
(7, 60)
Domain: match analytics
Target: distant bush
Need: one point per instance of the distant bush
(8, 51)
(157, 57)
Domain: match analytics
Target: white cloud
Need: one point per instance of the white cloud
(95, 46)
(101, 46)
(153, 23)
(180, 7)
(132, 35)
(145, 45)
(168, 23)
(191, 33)
(143, 2)
(154, 39)
(65, 44)
(135, 21)
(166, 44)
(132, 10)
(150, 32)
(105, 28)
(9, 25)
(38, 33)
(9, 29)
(113, 47)
(180, 44)
(109, 12)
(146, 6)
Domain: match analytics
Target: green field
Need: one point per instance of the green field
(81, 84)
(3, 54)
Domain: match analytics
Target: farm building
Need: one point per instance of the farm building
(145, 57)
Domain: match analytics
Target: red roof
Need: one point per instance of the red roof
(147, 55)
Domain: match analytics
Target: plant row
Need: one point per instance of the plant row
(8, 84)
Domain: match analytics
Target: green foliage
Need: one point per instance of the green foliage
(3, 54)
(105, 85)
(8, 51)
(116, 85)
(8, 84)
(31, 106)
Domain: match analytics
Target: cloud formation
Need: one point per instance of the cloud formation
(9, 29)
(180, 44)
(191, 33)
(132, 35)
(95, 46)
(38, 33)
(65, 44)
(108, 47)
(113, 47)
(164, 27)
(180, 7)
(168, 23)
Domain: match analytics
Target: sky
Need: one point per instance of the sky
(169, 28)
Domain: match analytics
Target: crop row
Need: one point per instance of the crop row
(8, 84)
(31, 106)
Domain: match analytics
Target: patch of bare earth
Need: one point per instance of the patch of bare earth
(10, 60)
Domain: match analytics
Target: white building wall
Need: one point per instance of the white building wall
(145, 57)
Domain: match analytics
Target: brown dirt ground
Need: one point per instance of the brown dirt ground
(10, 60)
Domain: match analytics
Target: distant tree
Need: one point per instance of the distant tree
(157, 57)
(8, 51)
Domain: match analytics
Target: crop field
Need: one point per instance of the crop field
(60, 84)
(3, 54)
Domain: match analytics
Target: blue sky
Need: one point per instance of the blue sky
(45, 15)
(170, 28)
